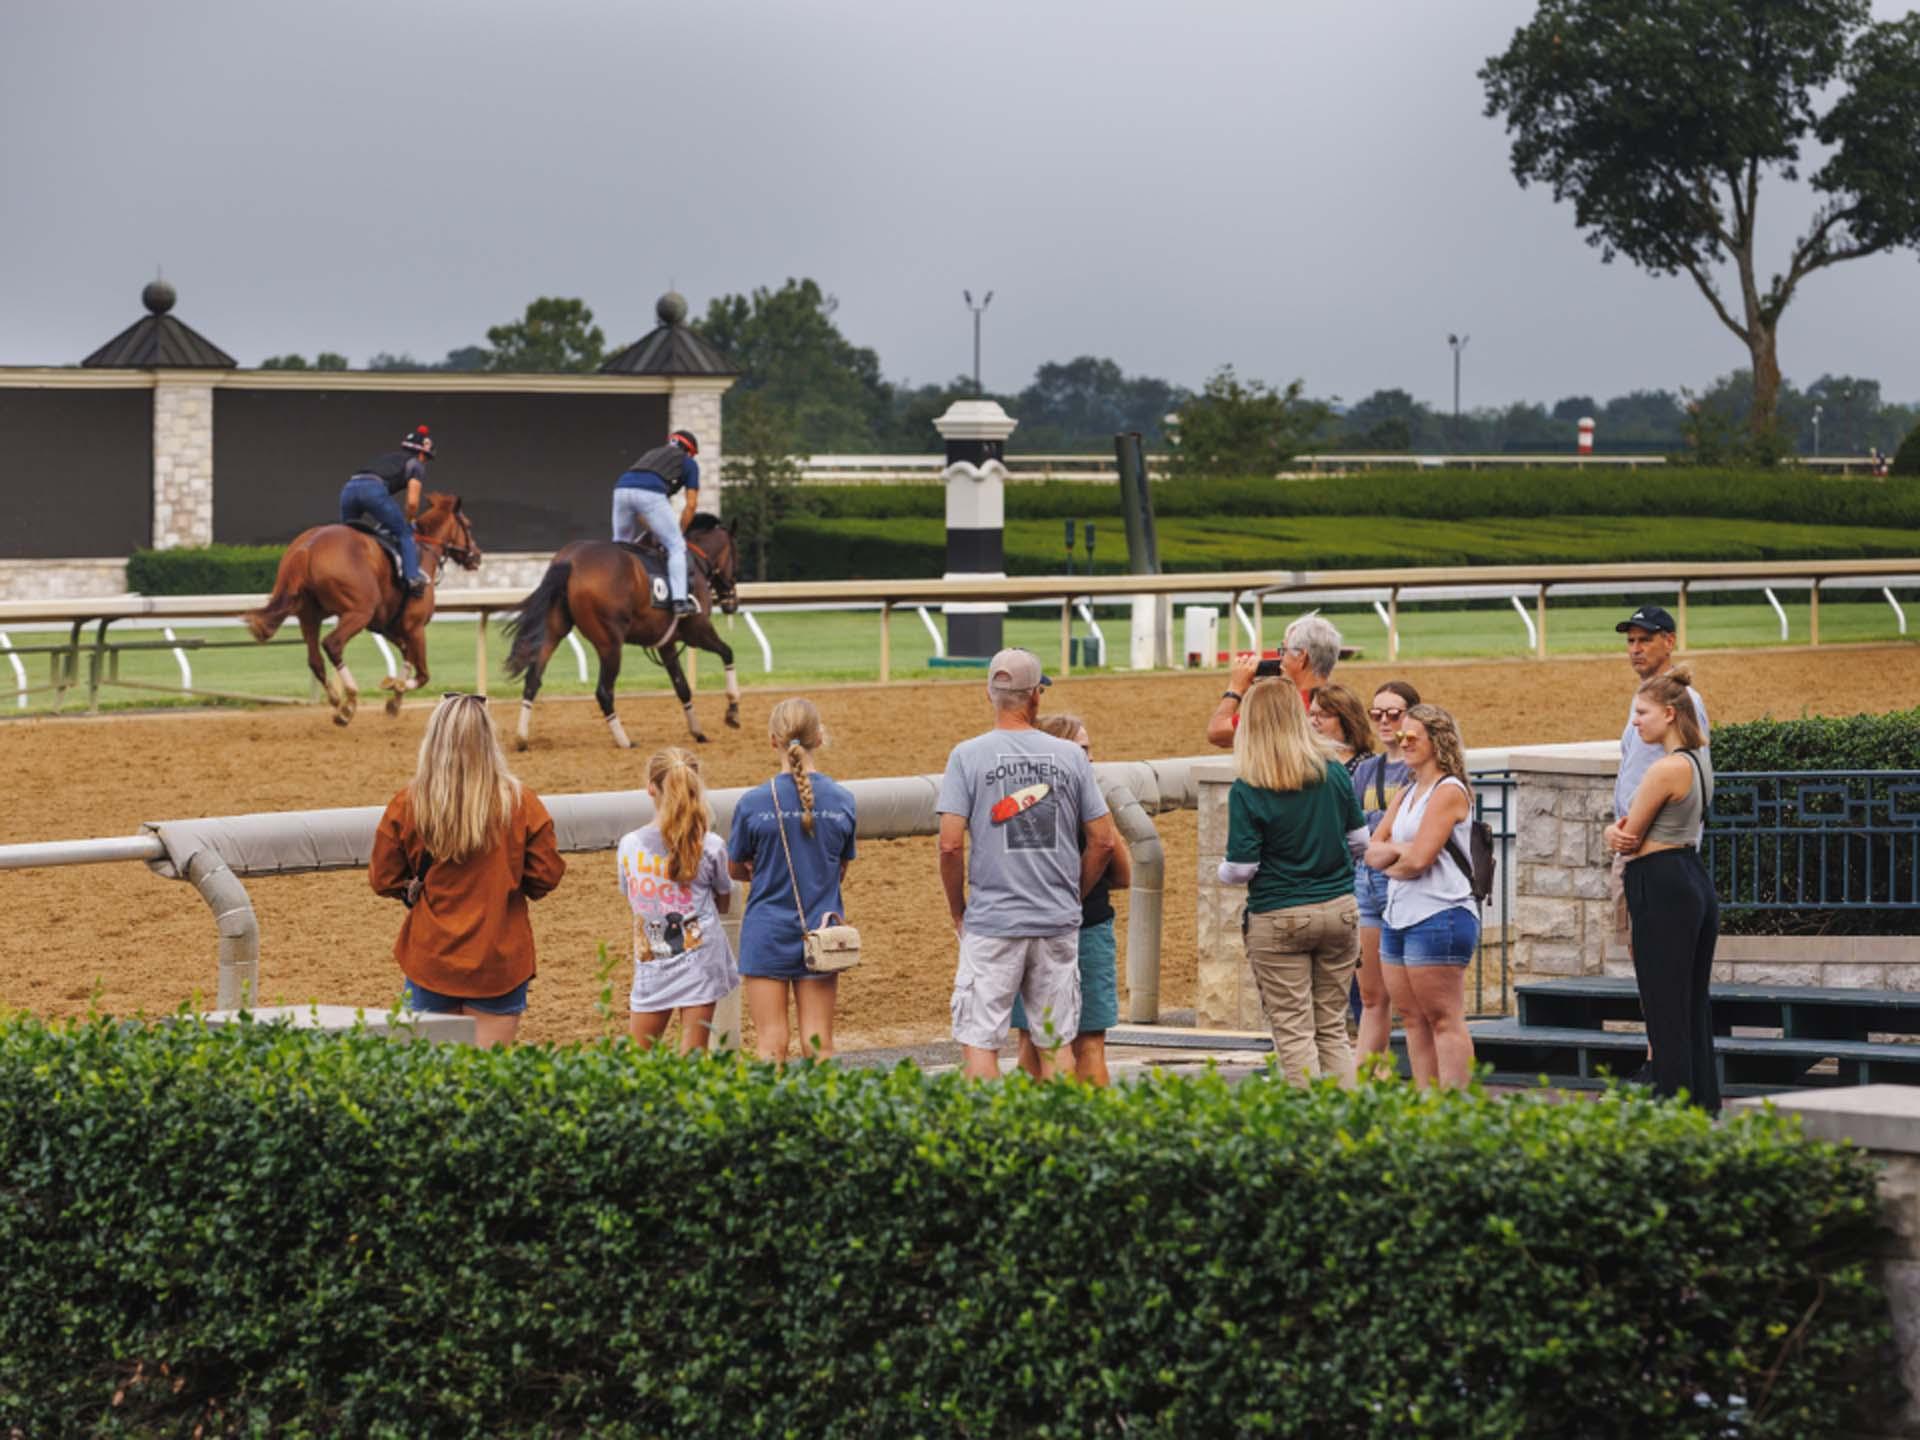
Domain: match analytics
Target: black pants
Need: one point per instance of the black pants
(1676, 921)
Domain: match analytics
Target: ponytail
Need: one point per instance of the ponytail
(674, 775)
(795, 727)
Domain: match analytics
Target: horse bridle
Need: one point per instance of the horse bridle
(724, 589)
(461, 555)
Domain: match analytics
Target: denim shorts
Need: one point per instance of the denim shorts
(1370, 889)
(432, 1002)
(1448, 937)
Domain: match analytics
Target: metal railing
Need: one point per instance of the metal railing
(1815, 840)
(1388, 588)
(1493, 802)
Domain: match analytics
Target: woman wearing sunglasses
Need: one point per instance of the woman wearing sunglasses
(465, 846)
(1432, 926)
(1376, 781)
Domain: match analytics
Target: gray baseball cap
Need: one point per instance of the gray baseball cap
(1014, 670)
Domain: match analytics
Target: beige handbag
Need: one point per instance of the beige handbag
(833, 947)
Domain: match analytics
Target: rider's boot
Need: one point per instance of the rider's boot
(417, 585)
(685, 607)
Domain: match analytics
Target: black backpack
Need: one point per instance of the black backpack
(1479, 869)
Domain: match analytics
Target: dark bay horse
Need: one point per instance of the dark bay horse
(602, 588)
(340, 570)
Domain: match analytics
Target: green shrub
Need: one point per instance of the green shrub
(1906, 460)
(272, 1232)
(1791, 496)
(203, 570)
(1820, 742)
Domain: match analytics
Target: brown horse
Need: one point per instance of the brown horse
(340, 570)
(602, 587)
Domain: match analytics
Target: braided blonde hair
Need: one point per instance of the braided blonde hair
(795, 727)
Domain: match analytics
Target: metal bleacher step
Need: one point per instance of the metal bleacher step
(1798, 1011)
(1577, 1055)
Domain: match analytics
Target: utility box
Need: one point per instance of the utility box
(1202, 636)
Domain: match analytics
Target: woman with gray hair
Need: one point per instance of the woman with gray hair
(1308, 653)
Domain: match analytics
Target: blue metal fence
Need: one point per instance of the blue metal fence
(1819, 840)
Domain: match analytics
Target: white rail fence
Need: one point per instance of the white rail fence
(1069, 596)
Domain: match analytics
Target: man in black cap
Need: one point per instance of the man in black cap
(1651, 637)
(642, 500)
(369, 494)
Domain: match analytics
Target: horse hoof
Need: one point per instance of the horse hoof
(340, 718)
(698, 738)
(520, 742)
(733, 719)
(393, 703)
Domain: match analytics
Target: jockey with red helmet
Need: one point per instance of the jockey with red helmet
(642, 496)
(370, 494)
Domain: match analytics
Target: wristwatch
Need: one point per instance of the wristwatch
(1233, 695)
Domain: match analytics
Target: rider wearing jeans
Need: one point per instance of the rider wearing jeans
(370, 493)
(642, 496)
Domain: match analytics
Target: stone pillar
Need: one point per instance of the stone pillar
(1225, 997)
(1562, 909)
(1883, 1120)
(182, 460)
(976, 433)
(695, 405)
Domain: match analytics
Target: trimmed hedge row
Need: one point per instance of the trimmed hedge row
(273, 1232)
(815, 547)
(204, 570)
(1796, 497)
(1819, 742)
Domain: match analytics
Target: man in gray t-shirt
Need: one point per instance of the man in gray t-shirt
(1019, 801)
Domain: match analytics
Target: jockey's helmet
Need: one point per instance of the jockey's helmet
(687, 442)
(419, 441)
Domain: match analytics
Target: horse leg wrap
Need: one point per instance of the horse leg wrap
(617, 730)
(526, 719)
(733, 686)
(346, 680)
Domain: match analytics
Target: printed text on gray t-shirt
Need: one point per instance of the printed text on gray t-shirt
(1025, 796)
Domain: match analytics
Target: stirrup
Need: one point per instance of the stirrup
(686, 607)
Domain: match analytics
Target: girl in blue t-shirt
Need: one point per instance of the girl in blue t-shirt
(817, 814)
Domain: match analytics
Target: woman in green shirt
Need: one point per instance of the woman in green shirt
(1294, 830)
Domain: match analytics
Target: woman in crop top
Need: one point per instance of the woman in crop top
(1431, 926)
(1670, 897)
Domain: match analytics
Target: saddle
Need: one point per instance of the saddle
(388, 543)
(653, 560)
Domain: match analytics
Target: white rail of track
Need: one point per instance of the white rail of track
(1385, 588)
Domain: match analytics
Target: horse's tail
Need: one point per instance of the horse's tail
(528, 627)
(290, 580)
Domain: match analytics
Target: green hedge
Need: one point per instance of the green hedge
(204, 570)
(1822, 743)
(267, 1232)
(1794, 497)
(815, 547)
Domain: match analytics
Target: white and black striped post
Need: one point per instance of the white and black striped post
(976, 433)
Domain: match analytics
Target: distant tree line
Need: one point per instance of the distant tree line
(814, 391)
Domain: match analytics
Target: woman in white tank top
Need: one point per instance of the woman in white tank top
(1431, 926)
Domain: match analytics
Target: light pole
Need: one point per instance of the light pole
(1816, 432)
(1458, 343)
(978, 311)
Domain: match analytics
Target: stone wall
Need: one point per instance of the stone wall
(1225, 997)
(61, 579)
(1562, 912)
(699, 412)
(182, 464)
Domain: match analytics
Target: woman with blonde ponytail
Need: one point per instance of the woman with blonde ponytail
(817, 816)
(674, 875)
(466, 846)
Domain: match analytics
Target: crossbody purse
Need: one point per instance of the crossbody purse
(835, 945)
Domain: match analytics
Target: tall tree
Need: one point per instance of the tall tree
(1659, 119)
(554, 334)
(763, 476)
(1087, 400)
(790, 349)
(1243, 427)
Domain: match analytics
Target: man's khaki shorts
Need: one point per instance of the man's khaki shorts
(1043, 971)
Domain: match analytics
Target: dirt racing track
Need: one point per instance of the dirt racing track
(137, 942)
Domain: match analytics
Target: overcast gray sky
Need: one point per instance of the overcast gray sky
(1301, 189)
